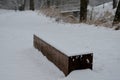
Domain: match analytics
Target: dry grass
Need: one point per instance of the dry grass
(51, 12)
(55, 13)
(105, 20)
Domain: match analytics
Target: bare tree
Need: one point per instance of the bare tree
(117, 15)
(22, 4)
(114, 4)
(83, 10)
(1, 3)
(48, 3)
(32, 5)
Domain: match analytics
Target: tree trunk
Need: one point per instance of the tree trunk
(83, 10)
(22, 5)
(117, 15)
(114, 4)
(32, 5)
(48, 3)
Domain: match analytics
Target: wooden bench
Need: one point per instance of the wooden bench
(65, 63)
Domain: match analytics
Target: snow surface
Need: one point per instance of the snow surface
(20, 61)
(79, 39)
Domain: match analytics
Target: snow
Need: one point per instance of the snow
(79, 39)
(20, 61)
(86, 75)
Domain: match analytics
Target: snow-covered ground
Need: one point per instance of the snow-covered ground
(20, 61)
